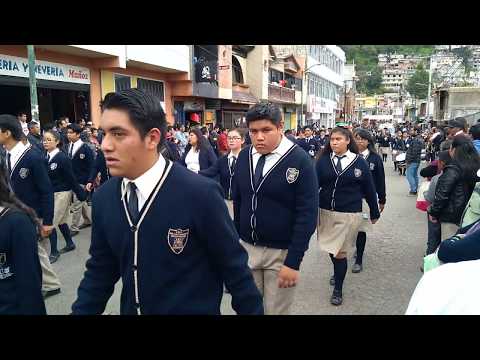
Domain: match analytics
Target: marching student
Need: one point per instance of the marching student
(366, 148)
(225, 166)
(152, 226)
(309, 143)
(199, 154)
(63, 181)
(20, 270)
(275, 205)
(344, 179)
(82, 162)
(29, 181)
(100, 168)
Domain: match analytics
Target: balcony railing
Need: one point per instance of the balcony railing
(281, 94)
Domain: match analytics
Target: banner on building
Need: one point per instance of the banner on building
(44, 70)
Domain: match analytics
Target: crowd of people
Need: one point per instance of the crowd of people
(267, 188)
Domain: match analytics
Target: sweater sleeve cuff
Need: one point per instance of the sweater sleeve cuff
(294, 259)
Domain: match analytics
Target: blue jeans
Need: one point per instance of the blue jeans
(412, 176)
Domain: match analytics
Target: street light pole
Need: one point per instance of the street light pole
(33, 83)
(429, 88)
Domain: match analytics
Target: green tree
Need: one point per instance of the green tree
(417, 85)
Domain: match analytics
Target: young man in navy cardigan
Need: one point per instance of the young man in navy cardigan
(275, 201)
(83, 161)
(152, 226)
(28, 178)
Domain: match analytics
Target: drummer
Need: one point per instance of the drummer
(344, 179)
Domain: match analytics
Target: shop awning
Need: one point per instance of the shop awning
(243, 97)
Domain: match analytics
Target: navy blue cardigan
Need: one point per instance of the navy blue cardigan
(378, 173)
(344, 192)
(20, 271)
(174, 277)
(206, 158)
(221, 170)
(31, 184)
(312, 144)
(286, 202)
(100, 166)
(83, 161)
(61, 175)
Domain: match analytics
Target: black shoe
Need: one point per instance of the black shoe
(47, 294)
(53, 257)
(336, 298)
(412, 193)
(67, 249)
(356, 268)
(73, 232)
(83, 226)
(421, 269)
(332, 280)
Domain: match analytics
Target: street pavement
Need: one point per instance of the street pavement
(393, 256)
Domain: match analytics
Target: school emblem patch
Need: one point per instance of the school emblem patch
(53, 166)
(357, 172)
(3, 259)
(23, 172)
(177, 239)
(82, 156)
(372, 166)
(292, 175)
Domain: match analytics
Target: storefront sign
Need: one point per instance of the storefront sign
(192, 106)
(320, 105)
(44, 70)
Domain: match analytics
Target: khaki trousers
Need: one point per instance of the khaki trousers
(448, 230)
(50, 280)
(265, 264)
(80, 209)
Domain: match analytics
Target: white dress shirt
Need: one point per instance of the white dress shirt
(346, 161)
(274, 156)
(16, 152)
(24, 128)
(146, 182)
(52, 154)
(450, 289)
(76, 145)
(364, 154)
(192, 160)
(230, 158)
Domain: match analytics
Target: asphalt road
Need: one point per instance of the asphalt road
(392, 259)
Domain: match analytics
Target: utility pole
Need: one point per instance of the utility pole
(33, 83)
(429, 88)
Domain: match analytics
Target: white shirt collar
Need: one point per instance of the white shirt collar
(365, 153)
(282, 148)
(148, 180)
(17, 150)
(77, 145)
(350, 156)
(53, 153)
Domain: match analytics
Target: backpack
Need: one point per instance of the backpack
(471, 213)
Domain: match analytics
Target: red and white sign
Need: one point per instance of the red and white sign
(44, 70)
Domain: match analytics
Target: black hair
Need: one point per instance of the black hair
(21, 112)
(75, 128)
(307, 127)
(466, 156)
(57, 137)
(264, 110)
(10, 122)
(10, 201)
(365, 134)
(352, 146)
(475, 132)
(202, 142)
(144, 110)
(203, 130)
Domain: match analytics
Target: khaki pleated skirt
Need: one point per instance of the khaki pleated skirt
(337, 231)
(61, 214)
(366, 225)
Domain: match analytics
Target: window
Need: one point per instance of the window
(156, 88)
(275, 76)
(122, 82)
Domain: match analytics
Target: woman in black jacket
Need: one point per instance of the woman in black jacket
(455, 186)
(199, 154)
(20, 271)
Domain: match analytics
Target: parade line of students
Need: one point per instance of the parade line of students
(152, 220)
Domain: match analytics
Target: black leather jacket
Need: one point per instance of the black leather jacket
(451, 195)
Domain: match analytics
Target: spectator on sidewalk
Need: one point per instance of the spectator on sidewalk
(475, 134)
(413, 159)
